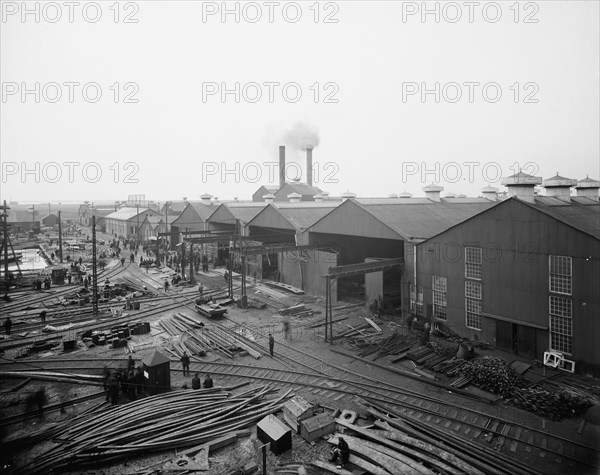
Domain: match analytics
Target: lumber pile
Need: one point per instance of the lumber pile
(197, 339)
(179, 419)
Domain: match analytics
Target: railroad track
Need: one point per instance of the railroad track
(509, 438)
(513, 440)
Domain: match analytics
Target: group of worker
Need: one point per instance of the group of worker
(208, 382)
(129, 380)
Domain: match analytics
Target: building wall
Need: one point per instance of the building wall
(516, 243)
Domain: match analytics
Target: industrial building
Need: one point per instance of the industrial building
(522, 274)
(126, 221)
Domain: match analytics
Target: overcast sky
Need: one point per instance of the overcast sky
(166, 130)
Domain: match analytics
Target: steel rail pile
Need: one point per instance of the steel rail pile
(480, 458)
(88, 379)
(166, 421)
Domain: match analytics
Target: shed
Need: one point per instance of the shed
(157, 373)
(272, 430)
(58, 275)
(296, 410)
(317, 426)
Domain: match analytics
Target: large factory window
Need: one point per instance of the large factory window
(473, 263)
(473, 304)
(561, 329)
(560, 275)
(440, 289)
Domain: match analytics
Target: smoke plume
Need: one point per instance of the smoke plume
(302, 136)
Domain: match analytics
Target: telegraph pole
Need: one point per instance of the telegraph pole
(94, 269)
(5, 209)
(137, 229)
(60, 237)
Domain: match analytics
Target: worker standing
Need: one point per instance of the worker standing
(208, 382)
(196, 382)
(286, 328)
(8, 325)
(185, 362)
(271, 343)
(113, 388)
(43, 314)
(201, 289)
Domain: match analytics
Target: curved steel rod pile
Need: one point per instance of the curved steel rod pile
(171, 420)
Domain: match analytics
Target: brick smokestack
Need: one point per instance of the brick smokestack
(281, 166)
(309, 167)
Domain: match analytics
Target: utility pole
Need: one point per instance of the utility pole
(94, 269)
(167, 224)
(183, 255)
(33, 218)
(191, 262)
(137, 229)
(60, 237)
(5, 209)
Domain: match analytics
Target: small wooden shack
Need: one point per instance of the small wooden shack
(296, 410)
(272, 430)
(157, 373)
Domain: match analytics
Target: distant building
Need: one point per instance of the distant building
(262, 191)
(23, 221)
(126, 222)
(306, 192)
(50, 220)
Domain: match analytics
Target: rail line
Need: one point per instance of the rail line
(512, 440)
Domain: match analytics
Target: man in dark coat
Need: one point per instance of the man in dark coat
(271, 344)
(113, 388)
(185, 362)
(208, 382)
(8, 325)
(196, 381)
(43, 314)
(341, 453)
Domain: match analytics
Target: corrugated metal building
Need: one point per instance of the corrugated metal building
(286, 223)
(366, 228)
(523, 275)
(127, 221)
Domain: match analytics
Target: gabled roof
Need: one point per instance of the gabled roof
(227, 213)
(300, 188)
(155, 359)
(297, 216)
(203, 210)
(583, 217)
(124, 214)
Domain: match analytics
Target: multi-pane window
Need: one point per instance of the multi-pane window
(560, 275)
(473, 289)
(416, 299)
(473, 304)
(473, 263)
(440, 289)
(561, 329)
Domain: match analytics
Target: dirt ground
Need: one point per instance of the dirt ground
(260, 323)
